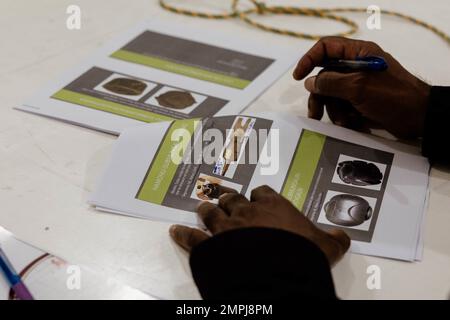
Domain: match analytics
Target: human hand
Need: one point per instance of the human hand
(266, 208)
(394, 99)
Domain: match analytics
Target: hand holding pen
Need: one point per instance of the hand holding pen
(363, 87)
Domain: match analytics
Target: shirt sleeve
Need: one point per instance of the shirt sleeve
(435, 144)
(261, 263)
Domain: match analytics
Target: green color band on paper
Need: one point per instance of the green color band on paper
(108, 106)
(164, 165)
(303, 167)
(189, 71)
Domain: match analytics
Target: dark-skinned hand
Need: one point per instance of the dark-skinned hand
(394, 99)
(266, 208)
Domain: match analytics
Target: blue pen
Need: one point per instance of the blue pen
(371, 63)
(13, 278)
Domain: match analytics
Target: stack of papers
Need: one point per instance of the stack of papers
(160, 72)
(191, 85)
(338, 178)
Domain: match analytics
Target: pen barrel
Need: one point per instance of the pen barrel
(22, 292)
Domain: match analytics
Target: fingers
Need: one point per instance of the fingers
(325, 48)
(187, 237)
(342, 238)
(347, 86)
(212, 216)
(333, 244)
(342, 113)
(315, 106)
(333, 48)
(233, 202)
(343, 241)
(262, 194)
(224, 190)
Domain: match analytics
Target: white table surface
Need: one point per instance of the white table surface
(47, 168)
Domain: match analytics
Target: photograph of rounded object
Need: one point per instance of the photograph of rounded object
(212, 190)
(129, 87)
(359, 173)
(176, 99)
(347, 210)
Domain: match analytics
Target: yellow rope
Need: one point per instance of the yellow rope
(261, 8)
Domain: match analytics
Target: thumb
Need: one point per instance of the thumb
(187, 237)
(342, 239)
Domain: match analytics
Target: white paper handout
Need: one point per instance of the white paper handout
(373, 189)
(160, 71)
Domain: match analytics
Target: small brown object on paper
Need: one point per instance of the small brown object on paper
(176, 99)
(125, 86)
